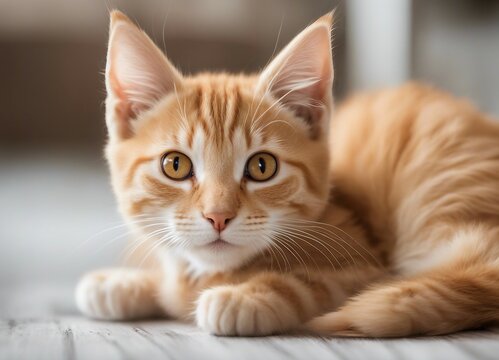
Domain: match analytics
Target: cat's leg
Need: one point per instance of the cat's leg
(118, 294)
(271, 303)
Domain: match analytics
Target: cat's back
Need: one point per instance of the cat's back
(398, 150)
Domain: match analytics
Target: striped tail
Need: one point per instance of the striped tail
(439, 302)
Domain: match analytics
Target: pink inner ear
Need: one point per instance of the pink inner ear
(122, 110)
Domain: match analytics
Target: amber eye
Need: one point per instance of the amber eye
(176, 166)
(261, 166)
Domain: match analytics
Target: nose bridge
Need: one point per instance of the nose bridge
(219, 190)
(220, 195)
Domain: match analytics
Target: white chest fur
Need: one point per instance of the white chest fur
(176, 295)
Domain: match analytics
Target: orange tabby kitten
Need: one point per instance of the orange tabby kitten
(262, 217)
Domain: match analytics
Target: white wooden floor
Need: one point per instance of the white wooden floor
(41, 322)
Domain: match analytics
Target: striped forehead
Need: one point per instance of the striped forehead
(219, 106)
(217, 111)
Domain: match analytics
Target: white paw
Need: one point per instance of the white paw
(116, 294)
(228, 311)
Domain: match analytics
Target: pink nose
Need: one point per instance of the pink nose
(219, 220)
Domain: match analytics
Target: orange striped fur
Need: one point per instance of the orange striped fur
(384, 223)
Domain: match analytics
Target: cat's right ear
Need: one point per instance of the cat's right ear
(138, 74)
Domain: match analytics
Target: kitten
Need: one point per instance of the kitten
(263, 217)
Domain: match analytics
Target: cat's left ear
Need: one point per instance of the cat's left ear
(301, 76)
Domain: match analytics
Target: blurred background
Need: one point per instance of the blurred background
(55, 200)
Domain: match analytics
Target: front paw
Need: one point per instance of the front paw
(229, 311)
(115, 294)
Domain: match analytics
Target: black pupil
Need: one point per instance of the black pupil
(175, 163)
(261, 165)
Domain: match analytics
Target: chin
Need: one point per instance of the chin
(219, 257)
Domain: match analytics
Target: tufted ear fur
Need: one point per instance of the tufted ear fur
(138, 74)
(301, 76)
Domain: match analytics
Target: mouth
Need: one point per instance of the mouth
(219, 244)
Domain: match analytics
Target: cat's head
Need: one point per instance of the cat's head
(215, 165)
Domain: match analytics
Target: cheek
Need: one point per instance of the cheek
(280, 194)
(167, 194)
(150, 195)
